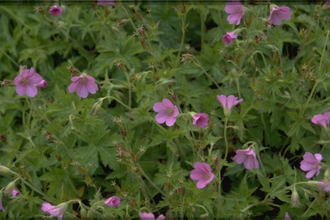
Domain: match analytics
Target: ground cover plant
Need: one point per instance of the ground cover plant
(113, 110)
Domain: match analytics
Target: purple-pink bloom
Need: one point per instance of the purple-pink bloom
(287, 217)
(26, 82)
(279, 13)
(229, 37)
(83, 84)
(248, 157)
(55, 10)
(325, 188)
(1, 207)
(106, 2)
(322, 120)
(201, 120)
(56, 211)
(113, 201)
(150, 216)
(15, 192)
(202, 173)
(228, 103)
(167, 112)
(311, 163)
(42, 84)
(236, 11)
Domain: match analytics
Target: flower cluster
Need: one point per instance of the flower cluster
(236, 11)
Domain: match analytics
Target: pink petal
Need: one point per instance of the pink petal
(240, 157)
(147, 216)
(310, 174)
(318, 157)
(20, 90)
(73, 86)
(231, 101)
(159, 107)
(82, 91)
(308, 157)
(170, 121)
(248, 163)
(167, 103)
(31, 90)
(161, 118)
(160, 217)
(223, 100)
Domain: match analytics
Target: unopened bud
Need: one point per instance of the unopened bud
(7, 82)
(186, 57)
(97, 106)
(39, 9)
(83, 213)
(295, 199)
(4, 169)
(9, 188)
(42, 84)
(327, 174)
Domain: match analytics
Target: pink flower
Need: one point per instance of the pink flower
(167, 112)
(1, 207)
(106, 2)
(322, 120)
(55, 10)
(228, 103)
(56, 211)
(279, 13)
(26, 82)
(202, 173)
(236, 11)
(325, 188)
(113, 201)
(229, 37)
(201, 120)
(150, 216)
(83, 84)
(42, 84)
(287, 217)
(248, 157)
(311, 163)
(15, 192)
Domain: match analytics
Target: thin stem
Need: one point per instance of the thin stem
(118, 101)
(219, 194)
(210, 77)
(183, 29)
(225, 137)
(150, 181)
(325, 44)
(11, 59)
(309, 99)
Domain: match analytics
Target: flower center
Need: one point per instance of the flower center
(207, 176)
(83, 80)
(24, 81)
(169, 111)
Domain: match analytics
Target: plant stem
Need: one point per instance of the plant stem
(225, 137)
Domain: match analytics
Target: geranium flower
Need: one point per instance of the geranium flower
(322, 120)
(42, 84)
(1, 207)
(15, 192)
(167, 112)
(56, 211)
(311, 163)
(279, 13)
(113, 201)
(106, 2)
(83, 84)
(150, 216)
(26, 82)
(202, 173)
(229, 37)
(248, 157)
(287, 217)
(236, 11)
(228, 103)
(201, 120)
(55, 10)
(325, 188)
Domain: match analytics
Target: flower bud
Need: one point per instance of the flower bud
(97, 106)
(9, 188)
(7, 82)
(327, 174)
(41, 84)
(4, 169)
(295, 199)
